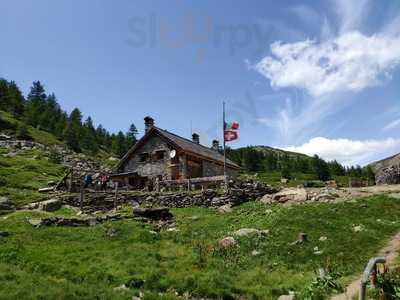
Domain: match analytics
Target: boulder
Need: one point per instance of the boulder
(227, 242)
(267, 199)
(227, 208)
(251, 231)
(4, 137)
(291, 195)
(50, 205)
(358, 228)
(153, 213)
(302, 238)
(6, 204)
(112, 232)
(286, 297)
(35, 222)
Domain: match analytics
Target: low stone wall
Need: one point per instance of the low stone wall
(237, 193)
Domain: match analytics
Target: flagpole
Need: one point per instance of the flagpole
(223, 134)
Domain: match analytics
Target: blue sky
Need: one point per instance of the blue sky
(315, 77)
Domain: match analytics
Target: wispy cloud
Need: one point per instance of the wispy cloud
(349, 152)
(392, 125)
(329, 69)
(350, 13)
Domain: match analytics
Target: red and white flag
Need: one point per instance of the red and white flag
(230, 135)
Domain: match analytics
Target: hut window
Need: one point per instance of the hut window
(160, 155)
(143, 157)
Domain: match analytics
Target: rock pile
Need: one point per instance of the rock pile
(73, 222)
(6, 204)
(93, 202)
(389, 175)
(302, 195)
(47, 205)
(16, 146)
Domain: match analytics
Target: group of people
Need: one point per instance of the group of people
(100, 184)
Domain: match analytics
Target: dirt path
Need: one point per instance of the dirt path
(391, 252)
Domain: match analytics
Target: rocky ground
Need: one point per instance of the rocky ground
(332, 195)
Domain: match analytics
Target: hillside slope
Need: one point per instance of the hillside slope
(386, 162)
(280, 152)
(27, 165)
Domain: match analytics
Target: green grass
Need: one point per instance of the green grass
(22, 175)
(37, 135)
(274, 178)
(83, 263)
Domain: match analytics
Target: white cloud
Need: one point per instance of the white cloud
(392, 125)
(342, 59)
(350, 62)
(349, 152)
(350, 13)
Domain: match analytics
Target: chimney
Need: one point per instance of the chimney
(148, 124)
(196, 138)
(215, 145)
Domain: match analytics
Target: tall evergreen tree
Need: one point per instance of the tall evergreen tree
(369, 174)
(51, 114)
(72, 133)
(3, 94)
(11, 98)
(36, 104)
(17, 100)
(119, 144)
(321, 168)
(131, 135)
(89, 140)
(336, 168)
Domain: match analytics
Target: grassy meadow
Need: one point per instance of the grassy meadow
(84, 263)
(274, 178)
(22, 175)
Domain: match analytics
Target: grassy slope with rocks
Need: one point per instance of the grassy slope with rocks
(9, 125)
(70, 263)
(23, 173)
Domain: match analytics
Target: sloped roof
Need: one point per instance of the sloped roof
(183, 144)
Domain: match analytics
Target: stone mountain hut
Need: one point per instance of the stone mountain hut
(163, 156)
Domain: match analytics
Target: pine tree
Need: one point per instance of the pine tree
(61, 124)
(36, 104)
(89, 140)
(369, 174)
(336, 168)
(321, 168)
(51, 114)
(17, 100)
(73, 130)
(252, 159)
(3, 94)
(131, 135)
(119, 144)
(11, 98)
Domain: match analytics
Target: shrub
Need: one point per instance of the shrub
(388, 284)
(55, 157)
(3, 181)
(22, 132)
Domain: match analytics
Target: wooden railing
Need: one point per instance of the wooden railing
(191, 182)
